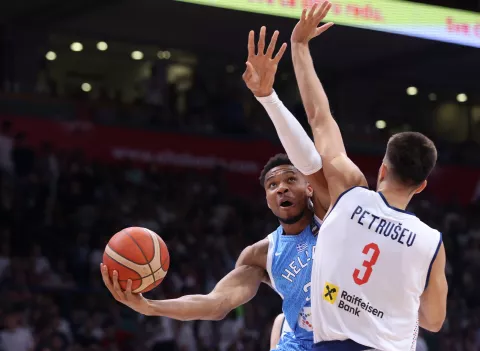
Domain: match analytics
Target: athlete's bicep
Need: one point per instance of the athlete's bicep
(433, 302)
(255, 255)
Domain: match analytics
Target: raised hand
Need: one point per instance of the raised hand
(308, 26)
(262, 66)
(135, 301)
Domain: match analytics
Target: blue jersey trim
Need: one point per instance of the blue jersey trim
(339, 197)
(339, 345)
(433, 260)
(394, 208)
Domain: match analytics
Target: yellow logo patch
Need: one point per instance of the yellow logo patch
(330, 292)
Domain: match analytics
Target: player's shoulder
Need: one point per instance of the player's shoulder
(356, 191)
(255, 254)
(272, 237)
(422, 227)
(352, 193)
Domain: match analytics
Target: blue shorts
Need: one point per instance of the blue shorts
(293, 345)
(340, 345)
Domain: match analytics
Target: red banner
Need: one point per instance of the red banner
(243, 159)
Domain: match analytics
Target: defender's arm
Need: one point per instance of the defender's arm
(433, 302)
(340, 172)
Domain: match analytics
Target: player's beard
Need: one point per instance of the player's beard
(292, 220)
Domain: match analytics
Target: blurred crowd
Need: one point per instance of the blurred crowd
(58, 210)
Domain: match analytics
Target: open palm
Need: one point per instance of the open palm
(308, 26)
(262, 66)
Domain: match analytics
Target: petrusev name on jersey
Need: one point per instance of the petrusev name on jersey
(391, 230)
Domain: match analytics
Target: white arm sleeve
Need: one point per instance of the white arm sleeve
(296, 142)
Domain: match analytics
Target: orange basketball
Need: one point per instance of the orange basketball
(137, 254)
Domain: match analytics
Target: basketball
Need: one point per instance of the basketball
(137, 254)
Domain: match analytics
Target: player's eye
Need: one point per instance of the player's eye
(292, 179)
(272, 185)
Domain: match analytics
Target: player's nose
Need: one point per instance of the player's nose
(282, 189)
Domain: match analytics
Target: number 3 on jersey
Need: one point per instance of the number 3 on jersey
(368, 264)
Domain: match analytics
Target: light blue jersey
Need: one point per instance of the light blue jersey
(289, 266)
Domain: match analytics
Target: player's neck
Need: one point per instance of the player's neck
(395, 195)
(298, 227)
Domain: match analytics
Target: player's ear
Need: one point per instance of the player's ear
(421, 187)
(382, 172)
(309, 190)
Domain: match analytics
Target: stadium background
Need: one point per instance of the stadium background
(117, 113)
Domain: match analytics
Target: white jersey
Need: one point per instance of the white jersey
(371, 264)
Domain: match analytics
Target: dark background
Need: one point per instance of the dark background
(194, 141)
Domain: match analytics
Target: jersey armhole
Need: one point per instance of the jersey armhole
(270, 253)
(433, 260)
(340, 196)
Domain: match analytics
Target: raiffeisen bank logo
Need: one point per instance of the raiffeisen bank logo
(348, 302)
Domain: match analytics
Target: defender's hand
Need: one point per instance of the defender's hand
(135, 301)
(308, 26)
(259, 75)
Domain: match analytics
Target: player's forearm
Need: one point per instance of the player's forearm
(431, 324)
(313, 95)
(296, 142)
(190, 307)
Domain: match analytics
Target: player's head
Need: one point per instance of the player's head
(287, 191)
(409, 159)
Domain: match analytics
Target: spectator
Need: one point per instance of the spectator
(15, 336)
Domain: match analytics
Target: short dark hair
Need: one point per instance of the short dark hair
(275, 161)
(412, 156)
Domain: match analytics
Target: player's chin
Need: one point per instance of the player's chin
(289, 212)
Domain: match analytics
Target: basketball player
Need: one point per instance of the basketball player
(283, 260)
(378, 270)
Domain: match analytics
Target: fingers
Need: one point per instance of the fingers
(323, 11)
(312, 11)
(128, 291)
(261, 41)
(273, 43)
(326, 8)
(250, 69)
(323, 28)
(249, 72)
(106, 278)
(251, 44)
(303, 18)
(108, 282)
(116, 286)
(280, 53)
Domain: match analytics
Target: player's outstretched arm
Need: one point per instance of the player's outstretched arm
(341, 173)
(235, 289)
(259, 77)
(433, 302)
